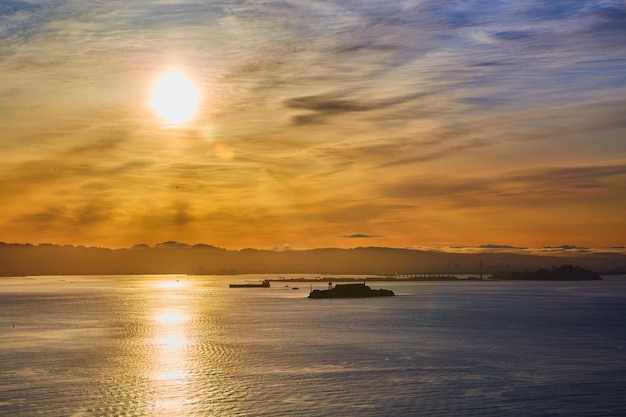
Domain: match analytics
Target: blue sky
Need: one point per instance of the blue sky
(321, 123)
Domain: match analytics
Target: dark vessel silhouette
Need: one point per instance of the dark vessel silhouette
(349, 291)
(263, 284)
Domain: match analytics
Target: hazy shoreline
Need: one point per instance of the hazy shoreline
(25, 259)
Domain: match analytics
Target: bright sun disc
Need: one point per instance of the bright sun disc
(174, 97)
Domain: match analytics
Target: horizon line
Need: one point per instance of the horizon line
(559, 250)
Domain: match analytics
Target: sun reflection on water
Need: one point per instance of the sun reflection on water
(168, 285)
(170, 365)
(171, 317)
(172, 341)
(170, 376)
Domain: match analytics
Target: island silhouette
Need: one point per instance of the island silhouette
(359, 290)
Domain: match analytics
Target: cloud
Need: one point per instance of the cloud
(361, 236)
(65, 219)
(284, 248)
(499, 247)
(522, 184)
(512, 35)
(565, 249)
(17, 18)
(486, 249)
(551, 11)
(562, 250)
(399, 117)
(323, 106)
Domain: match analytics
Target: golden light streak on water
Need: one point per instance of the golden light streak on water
(171, 317)
(171, 366)
(168, 285)
(172, 341)
(171, 376)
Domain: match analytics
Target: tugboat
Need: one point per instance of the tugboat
(349, 291)
(263, 284)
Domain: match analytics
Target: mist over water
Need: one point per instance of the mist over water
(191, 346)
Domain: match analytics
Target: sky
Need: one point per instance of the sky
(461, 125)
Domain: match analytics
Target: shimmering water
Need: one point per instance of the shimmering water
(191, 346)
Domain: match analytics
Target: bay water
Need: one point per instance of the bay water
(168, 345)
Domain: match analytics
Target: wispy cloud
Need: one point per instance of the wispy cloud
(525, 185)
(561, 250)
(424, 121)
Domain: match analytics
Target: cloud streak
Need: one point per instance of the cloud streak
(426, 123)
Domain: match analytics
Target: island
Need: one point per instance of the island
(350, 291)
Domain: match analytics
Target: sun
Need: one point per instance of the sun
(175, 97)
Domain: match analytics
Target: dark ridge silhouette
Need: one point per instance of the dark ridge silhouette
(175, 258)
(560, 273)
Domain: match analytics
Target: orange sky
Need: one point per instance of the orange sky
(334, 124)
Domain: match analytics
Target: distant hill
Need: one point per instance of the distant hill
(174, 257)
(561, 273)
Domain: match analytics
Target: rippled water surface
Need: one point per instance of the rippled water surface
(191, 346)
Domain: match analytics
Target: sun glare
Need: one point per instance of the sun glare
(171, 318)
(174, 97)
(170, 285)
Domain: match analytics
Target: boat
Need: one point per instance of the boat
(349, 291)
(263, 284)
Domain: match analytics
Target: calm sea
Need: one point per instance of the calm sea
(191, 346)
